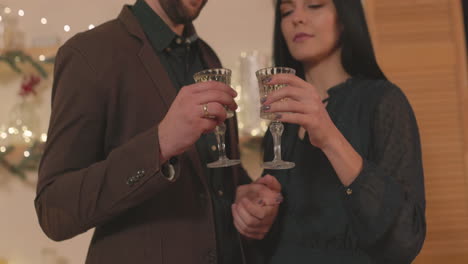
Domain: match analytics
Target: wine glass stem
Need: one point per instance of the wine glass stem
(220, 132)
(276, 129)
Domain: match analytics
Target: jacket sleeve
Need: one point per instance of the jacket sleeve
(81, 187)
(386, 202)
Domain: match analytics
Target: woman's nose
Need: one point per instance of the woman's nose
(298, 16)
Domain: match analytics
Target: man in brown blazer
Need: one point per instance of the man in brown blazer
(128, 144)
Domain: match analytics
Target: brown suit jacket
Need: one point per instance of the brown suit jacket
(110, 92)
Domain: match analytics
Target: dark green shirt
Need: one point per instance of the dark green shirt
(180, 56)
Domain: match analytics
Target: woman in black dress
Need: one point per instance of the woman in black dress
(356, 194)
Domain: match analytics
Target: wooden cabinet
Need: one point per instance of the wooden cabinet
(420, 45)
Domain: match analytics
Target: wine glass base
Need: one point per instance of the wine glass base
(223, 163)
(278, 165)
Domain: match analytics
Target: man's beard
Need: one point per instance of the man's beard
(178, 13)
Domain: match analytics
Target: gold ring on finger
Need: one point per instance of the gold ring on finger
(206, 114)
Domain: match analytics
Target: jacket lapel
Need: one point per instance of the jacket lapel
(160, 77)
(158, 74)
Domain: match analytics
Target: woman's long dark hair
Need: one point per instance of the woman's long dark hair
(357, 56)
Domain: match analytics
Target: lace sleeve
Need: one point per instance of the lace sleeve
(386, 202)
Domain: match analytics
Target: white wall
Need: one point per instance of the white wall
(230, 26)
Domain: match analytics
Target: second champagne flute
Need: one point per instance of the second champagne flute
(224, 76)
(276, 127)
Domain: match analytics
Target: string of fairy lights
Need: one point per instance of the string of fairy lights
(43, 20)
(24, 133)
(8, 11)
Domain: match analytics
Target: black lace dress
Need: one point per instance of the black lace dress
(380, 217)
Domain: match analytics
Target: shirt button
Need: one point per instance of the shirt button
(213, 148)
(179, 41)
(349, 191)
(220, 193)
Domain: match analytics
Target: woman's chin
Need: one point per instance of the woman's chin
(305, 58)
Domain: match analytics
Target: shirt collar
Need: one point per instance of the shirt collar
(158, 32)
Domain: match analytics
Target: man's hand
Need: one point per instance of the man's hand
(186, 121)
(256, 207)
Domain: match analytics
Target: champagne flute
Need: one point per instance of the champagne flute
(224, 76)
(276, 127)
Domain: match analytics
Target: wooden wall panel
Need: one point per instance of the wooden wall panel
(420, 46)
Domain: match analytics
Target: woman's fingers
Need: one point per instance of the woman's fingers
(290, 92)
(288, 79)
(292, 118)
(285, 106)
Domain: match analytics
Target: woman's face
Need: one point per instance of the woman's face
(310, 28)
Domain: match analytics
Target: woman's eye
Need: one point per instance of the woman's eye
(314, 6)
(286, 13)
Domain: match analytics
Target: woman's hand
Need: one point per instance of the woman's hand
(303, 106)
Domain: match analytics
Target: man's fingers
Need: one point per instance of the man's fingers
(245, 221)
(214, 111)
(211, 85)
(246, 234)
(207, 124)
(253, 213)
(271, 182)
(214, 96)
(259, 193)
(258, 218)
(242, 226)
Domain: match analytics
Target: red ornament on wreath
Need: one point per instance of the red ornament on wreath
(29, 84)
(20, 142)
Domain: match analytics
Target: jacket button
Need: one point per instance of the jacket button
(131, 181)
(135, 178)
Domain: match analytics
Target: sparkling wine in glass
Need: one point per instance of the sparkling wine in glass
(276, 127)
(224, 76)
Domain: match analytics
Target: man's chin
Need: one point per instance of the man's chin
(194, 8)
(191, 13)
(196, 4)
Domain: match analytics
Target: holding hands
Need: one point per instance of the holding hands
(256, 207)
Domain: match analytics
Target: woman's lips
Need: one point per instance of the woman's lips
(299, 37)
